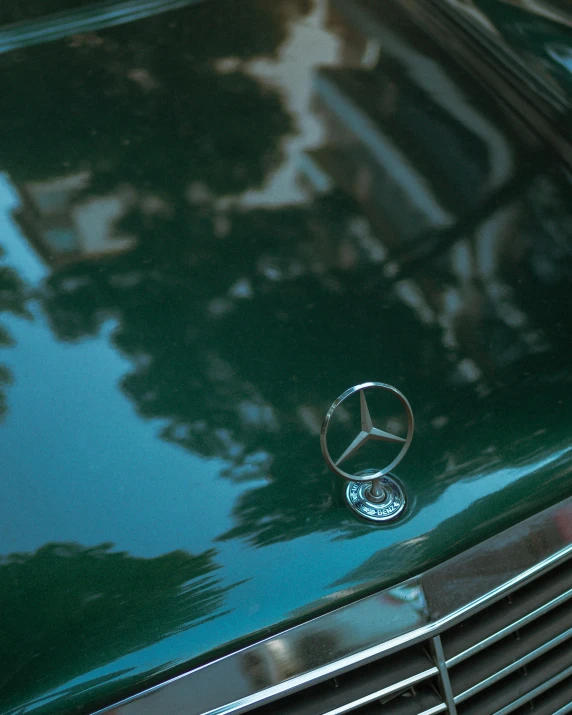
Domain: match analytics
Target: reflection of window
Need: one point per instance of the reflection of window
(63, 223)
(51, 202)
(61, 240)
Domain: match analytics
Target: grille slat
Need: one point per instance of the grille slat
(423, 700)
(507, 630)
(536, 692)
(524, 605)
(510, 654)
(555, 701)
(522, 687)
(433, 711)
(520, 663)
(384, 678)
(378, 695)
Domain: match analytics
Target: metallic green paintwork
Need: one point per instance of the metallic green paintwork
(164, 496)
(533, 38)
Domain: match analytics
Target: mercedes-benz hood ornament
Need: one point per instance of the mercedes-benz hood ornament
(374, 493)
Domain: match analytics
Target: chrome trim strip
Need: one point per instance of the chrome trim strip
(565, 710)
(532, 616)
(90, 18)
(396, 687)
(536, 692)
(444, 675)
(403, 615)
(500, 674)
(433, 711)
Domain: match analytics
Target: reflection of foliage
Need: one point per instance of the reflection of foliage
(217, 355)
(230, 347)
(12, 300)
(149, 106)
(93, 592)
(217, 298)
(543, 256)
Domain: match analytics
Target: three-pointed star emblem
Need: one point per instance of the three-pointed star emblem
(368, 431)
(375, 494)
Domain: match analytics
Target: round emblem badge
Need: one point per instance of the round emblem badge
(374, 494)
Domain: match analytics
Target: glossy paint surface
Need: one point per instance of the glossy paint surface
(533, 36)
(207, 236)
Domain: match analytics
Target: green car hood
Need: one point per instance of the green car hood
(213, 222)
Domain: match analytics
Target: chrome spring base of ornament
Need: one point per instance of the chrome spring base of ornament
(380, 500)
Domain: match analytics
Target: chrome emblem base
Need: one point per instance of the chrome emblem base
(386, 506)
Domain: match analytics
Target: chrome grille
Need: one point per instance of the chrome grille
(504, 656)
(512, 656)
